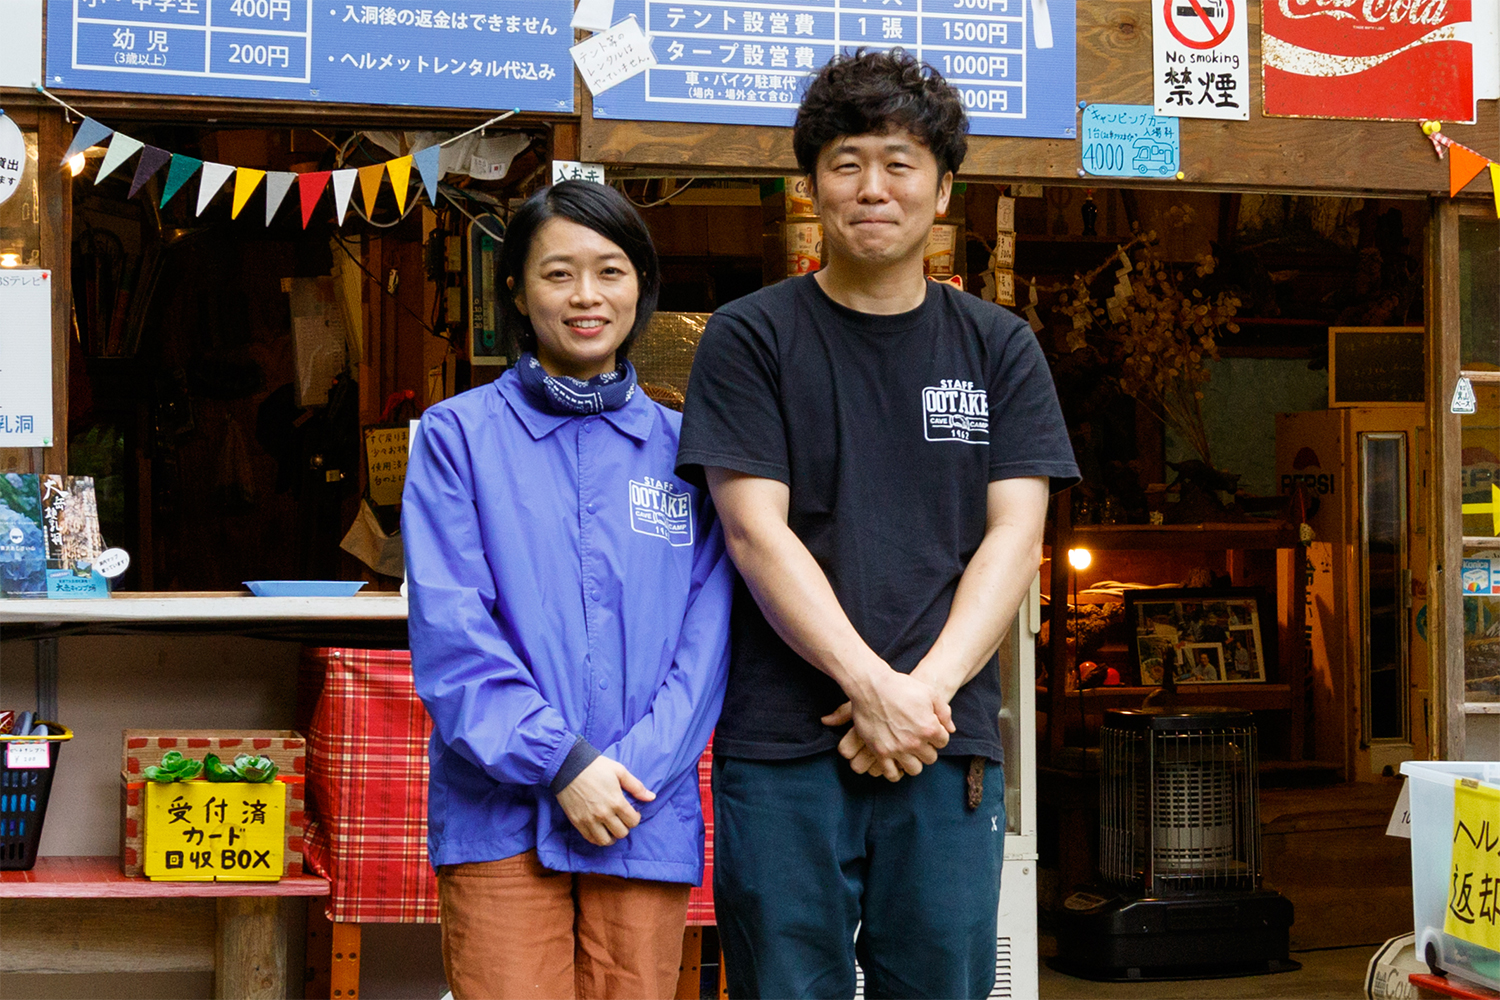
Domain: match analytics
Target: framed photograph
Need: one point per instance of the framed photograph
(1201, 636)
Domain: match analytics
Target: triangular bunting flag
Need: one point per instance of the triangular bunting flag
(178, 173)
(214, 176)
(246, 180)
(90, 133)
(343, 187)
(369, 185)
(400, 171)
(277, 185)
(121, 148)
(427, 164)
(1495, 183)
(1463, 166)
(152, 160)
(310, 189)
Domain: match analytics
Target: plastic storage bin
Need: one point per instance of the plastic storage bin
(24, 791)
(1431, 786)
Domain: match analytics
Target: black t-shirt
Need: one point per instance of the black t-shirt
(888, 430)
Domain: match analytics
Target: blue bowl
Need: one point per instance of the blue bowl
(304, 588)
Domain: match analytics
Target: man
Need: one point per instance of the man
(879, 448)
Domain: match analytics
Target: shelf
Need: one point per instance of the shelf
(1255, 697)
(1197, 537)
(375, 620)
(83, 877)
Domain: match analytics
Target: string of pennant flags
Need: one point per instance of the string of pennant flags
(1464, 164)
(212, 177)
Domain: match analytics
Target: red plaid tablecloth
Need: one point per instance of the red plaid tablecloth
(367, 788)
(367, 791)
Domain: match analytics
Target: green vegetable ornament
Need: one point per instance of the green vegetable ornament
(173, 767)
(214, 770)
(255, 768)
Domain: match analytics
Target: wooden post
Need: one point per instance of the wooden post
(1058, 632)
(52, 138)
(690, 972)
(250, 952)
(344, 975)
(1445, 610)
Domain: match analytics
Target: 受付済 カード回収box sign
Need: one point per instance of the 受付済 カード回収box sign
(490, 54)
(205, 831)
(747, 63)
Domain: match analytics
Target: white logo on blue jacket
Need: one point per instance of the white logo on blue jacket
(661, 509)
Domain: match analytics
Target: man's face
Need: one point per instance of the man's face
(877, 196)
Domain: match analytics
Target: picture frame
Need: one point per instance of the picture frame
(1204, 636)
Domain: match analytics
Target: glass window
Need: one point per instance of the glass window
(1479, 319)
(20, 216)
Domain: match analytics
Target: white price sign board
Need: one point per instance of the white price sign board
(1201, 59)
(25, 358)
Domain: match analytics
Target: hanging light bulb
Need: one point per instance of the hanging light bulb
(10, 260)
(75, 164)
(1080, 558)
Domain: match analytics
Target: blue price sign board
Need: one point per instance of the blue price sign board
(491, 54)
(746, 63)
(1129, 140)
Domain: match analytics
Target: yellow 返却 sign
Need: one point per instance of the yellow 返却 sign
(204, 831)
(1474, 886)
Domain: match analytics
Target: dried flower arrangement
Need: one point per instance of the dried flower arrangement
(1154, 334)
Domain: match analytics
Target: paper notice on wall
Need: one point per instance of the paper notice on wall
(318, 337)
(26, 359)
(21, 44)
(593, 15)
(613, 56)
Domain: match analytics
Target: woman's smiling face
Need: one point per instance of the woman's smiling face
(579, 291)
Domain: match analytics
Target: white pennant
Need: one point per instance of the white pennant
(121, 148)
(210, 179)
(277, 185)
(343, 187)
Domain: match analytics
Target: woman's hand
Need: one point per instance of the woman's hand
(595, 801)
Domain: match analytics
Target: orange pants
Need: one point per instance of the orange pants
(513, 928)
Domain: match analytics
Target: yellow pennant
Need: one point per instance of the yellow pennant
(369, 185)
(400, 171)
(246, 180)
(1495, 183)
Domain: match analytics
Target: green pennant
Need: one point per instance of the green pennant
(178, 173)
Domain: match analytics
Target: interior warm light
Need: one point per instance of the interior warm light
(10, 260)
(1079, 558)
(75, 164)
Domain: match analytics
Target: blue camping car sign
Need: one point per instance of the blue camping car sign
(491, 54)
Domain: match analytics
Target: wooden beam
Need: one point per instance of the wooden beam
(1114, 65)
(56, 182)
(50, 936)
(1445, 611)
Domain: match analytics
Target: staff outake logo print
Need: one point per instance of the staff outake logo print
(661, 509)
(953, 410)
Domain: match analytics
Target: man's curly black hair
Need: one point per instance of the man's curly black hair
(873, 93)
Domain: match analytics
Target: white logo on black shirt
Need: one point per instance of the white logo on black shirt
(662, 510)
(954, 410)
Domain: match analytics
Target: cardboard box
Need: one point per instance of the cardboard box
(144, 747)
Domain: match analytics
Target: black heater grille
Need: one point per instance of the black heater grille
(1179, 801)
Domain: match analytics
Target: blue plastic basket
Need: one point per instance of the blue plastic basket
(24, 792)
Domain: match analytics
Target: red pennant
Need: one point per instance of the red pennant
(1463, 166)
(310, 189)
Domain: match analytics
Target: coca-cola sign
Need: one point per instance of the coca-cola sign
(1383, 59)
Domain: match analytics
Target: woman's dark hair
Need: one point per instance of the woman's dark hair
(596, 207)
(872, 93)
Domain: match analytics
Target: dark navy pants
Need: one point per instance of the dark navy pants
(815, 865)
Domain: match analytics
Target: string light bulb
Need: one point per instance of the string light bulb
(75, 164)
(1080, 558)
(10, 260)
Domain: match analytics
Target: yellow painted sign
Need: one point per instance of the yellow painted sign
(385, 459)
(1474, 887)
(205, 831)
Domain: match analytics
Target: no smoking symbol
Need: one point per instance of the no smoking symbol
(1188, 18)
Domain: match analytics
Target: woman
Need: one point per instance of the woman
(569, 628)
